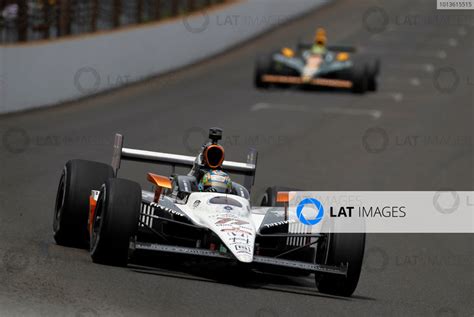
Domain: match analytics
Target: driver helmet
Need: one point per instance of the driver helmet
(320, 38)
(213, 156)
(215, 181)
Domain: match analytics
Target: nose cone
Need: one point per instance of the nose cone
(241, 249)
(245, 258)
(232, 224)
(238, 235)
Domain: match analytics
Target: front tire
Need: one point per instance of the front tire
(337, 249)
(71, 212)
(115, 221)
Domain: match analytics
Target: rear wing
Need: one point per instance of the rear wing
(248, 169)
(342, 48)
(333, 48)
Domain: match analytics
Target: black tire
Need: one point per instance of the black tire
(72, 200)
(372, 84)
(262, 67)
(373, 71)
(270, 196)
(360, 79)
(340, 248)
(115, 221)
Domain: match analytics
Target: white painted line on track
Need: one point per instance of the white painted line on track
(429, 68)
(442, 54)
(462, 31)
(373, 113)
(437, 42)
(453, 42)
(415, 82)
(397, 96)
(402, 53)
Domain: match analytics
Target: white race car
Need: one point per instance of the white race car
(115, 218)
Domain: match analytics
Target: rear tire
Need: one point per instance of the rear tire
(115, 221)
(360, 79)
(262, 67)
(373, 71)
(372, 84)
(72, 200)
(340, 248)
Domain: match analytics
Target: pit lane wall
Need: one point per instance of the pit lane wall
(47, 73)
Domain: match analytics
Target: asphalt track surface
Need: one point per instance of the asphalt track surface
(305, 139)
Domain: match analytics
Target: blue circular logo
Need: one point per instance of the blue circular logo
(310, 201)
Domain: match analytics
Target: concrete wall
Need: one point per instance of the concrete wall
(47, 73)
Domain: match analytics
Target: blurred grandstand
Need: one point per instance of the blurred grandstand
(29, 20)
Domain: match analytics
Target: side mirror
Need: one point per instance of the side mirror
(160, 182)
(284, 197)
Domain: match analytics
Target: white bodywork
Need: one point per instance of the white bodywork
(236, 226)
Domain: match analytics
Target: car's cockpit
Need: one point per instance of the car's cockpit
(210, 157)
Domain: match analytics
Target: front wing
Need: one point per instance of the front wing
(294, 80)
(154, 213)
(315, 268)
